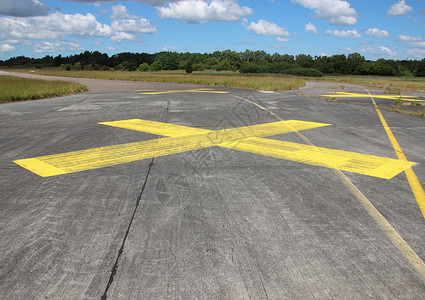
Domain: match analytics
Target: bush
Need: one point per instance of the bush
(143, 67)
(248, 67)
(375, 68)
(198, 67)
(156, 66)
(189, 68)
(420, 70)
(309, 72)
(126, 66)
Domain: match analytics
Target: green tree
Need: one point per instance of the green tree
(143, 67)
(420, 69)
(156, 66)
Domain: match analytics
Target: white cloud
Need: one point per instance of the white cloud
(409, 39)
(416, 53)
(377, 50)
(202, 11)
(155, 3)
(57, 46)
(336, 12)
(375, 32)
(11, 41)
(123, 21)
(344, 33)
(23, 8)
(131, 25)
(414, 41)
(264, 28)
(168, 48)
(398, 9)
(6, 48)
(119, 36)
(282, 40)
(310, 27)
(53, 27)
(121, 12)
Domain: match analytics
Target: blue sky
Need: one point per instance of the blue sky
(391, 29)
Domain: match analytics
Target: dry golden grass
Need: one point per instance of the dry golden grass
(227, 79)
(233, 79)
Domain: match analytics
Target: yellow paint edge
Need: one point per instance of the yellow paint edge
(39, 167)
(413, 180)
(398, 241)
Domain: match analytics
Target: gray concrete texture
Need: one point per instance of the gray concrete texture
(213, 223)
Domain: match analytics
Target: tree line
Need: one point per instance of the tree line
(244, 62)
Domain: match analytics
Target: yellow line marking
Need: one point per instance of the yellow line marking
(202, 90)
(355, 95)
(414, 260)
(182, 138)
(415, 185)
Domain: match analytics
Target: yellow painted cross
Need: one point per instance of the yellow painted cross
(178, 139)
(390, 97)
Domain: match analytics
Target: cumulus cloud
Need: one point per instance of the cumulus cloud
(375, 32)
(119, 36)
(416, 53)
(155, 3)
(23, 8)
(130, 25)
(264, 28)
(414, 41)
(282, 40)
(344, 33)
(54, 27)
(377, 50)
(310, 27)
(400, 8)
(57, 46)
(336, 12)
(168, 48)
(6, 48)
(409, 39)
(120, 12)
(202, 11)
(123, 21)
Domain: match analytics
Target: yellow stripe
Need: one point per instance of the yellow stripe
(147, 92)
(158, 128)
(172, 130)
(39, 167)
(414, 260)
(317, 156)
(354, 95)
(415, 185)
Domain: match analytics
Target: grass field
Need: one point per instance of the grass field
(227, 79)
(233, 79)
(17, 89)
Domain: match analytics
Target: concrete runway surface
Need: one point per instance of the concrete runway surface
(210, 193)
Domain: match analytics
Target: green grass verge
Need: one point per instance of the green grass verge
(390, 83)
(17, 89)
